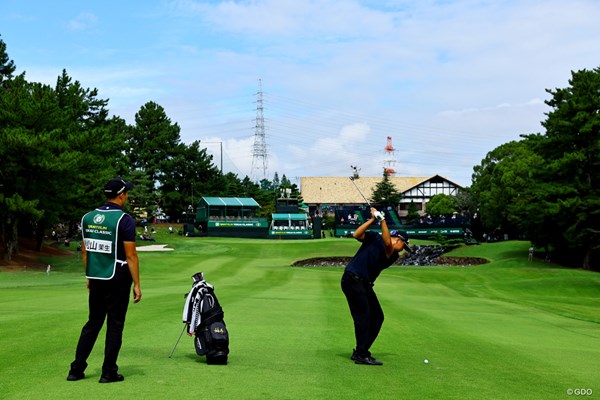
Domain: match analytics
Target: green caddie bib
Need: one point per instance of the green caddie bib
(100, 235)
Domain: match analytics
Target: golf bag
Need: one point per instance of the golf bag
(203, 316)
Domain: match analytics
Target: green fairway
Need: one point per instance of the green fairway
(509, 329)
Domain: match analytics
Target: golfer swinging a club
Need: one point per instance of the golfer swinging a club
(376, 253)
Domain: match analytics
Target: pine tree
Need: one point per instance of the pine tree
(385, 193)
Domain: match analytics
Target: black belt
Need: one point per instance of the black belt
(357, 277)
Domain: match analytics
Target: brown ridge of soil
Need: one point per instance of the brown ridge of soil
(29, 258)
(322, 262)
(460, 261)
(342, 261)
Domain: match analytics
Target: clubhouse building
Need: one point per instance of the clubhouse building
(324, 195)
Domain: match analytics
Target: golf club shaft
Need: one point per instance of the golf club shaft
(361, 193)
(176, 343)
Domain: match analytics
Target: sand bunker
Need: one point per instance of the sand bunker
(154, 247)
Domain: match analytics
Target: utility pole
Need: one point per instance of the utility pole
(259, 149)
(221, 144)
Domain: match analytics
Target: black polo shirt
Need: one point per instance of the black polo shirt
(370, 259)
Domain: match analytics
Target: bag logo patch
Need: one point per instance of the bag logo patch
(220, 330)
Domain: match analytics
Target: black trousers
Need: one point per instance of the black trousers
(108, 299)
(365, 309)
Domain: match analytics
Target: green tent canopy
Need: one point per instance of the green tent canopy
(292, 217)
(230, 201)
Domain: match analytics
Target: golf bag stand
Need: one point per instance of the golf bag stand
(203, 316)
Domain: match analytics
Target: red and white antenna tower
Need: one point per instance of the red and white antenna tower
(390, 160)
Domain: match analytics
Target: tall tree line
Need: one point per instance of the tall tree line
(546, 187)
(58, 146)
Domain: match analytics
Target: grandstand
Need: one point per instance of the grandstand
(327, 196)
(230, 217)
(240, 217)
(288, 222)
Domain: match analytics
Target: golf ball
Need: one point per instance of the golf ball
(426, 361)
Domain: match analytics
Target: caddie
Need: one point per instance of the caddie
(111, 266)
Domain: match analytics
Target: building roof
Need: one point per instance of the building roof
(231, 201)
(292, 217)
(341, 190)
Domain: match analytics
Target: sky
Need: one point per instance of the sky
(447, 80)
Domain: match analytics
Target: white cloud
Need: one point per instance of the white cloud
(82, 21)
(327, 20)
